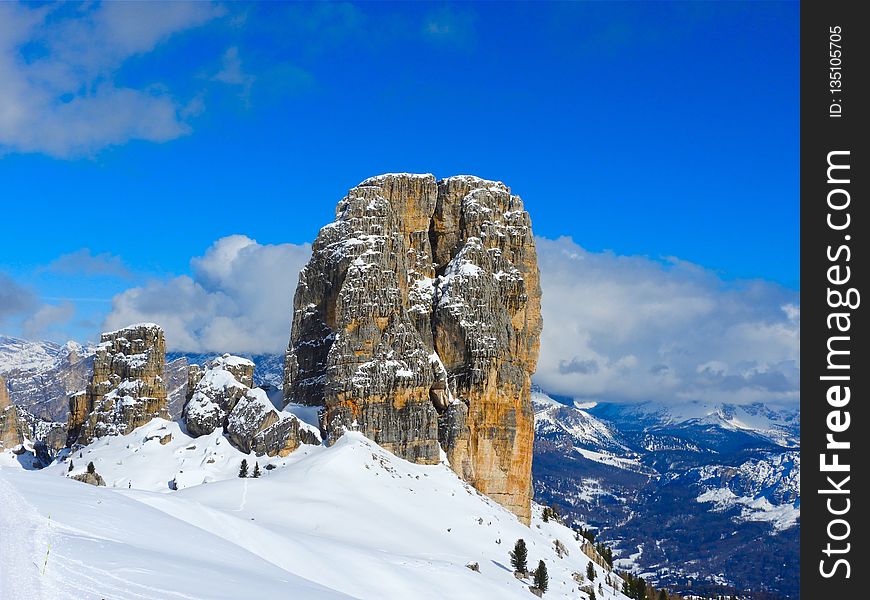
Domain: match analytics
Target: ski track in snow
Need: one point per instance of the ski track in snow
(24, 539)
(244, 496)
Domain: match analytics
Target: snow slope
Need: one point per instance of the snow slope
(349, 521)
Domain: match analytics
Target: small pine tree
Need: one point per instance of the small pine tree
(70, 467)
(542, 579)
(590, 571)
(546, 515)
(256, 469)
(243, 470)
(91, 468)
(519, 555)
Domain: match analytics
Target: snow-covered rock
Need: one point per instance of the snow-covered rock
(223, 399)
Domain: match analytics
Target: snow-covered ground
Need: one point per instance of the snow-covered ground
(349, 521)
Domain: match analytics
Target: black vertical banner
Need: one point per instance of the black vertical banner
(834, 223)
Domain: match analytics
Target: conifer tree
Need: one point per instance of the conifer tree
(243, 470)
(519, 556)
(590, 571)
(542, 578)
(70, 467)
(91, 468)
(256, 469)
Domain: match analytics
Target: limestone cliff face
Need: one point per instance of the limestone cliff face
(11, 433)
(126, 390)
(417, 322)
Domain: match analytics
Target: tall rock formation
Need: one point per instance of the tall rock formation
(126, 390)
(11, 433)
(417, 322)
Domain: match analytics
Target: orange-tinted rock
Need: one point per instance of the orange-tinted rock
(11, 433)
(126, 390)
(417, 322)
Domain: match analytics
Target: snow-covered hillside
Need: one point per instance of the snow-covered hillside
(777, 424)
(349, 521)
(724, 478)
(587, 435)
(764, 489)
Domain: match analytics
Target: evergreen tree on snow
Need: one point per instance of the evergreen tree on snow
(91, 468)
(542, 578)
(256, 469)
(243, 470)
(70, 467)
(590, 571)
(519, 555)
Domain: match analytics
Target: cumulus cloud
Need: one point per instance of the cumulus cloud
(238, 299)
(82, 262)
(628, 328)
(616, 328)
(57, 66)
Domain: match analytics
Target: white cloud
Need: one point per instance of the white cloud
(231, 73)
(630, 328)
(617, 328)
(238, 299)
(57, 67)
(41, 324)
(15, 299)
(82, 262)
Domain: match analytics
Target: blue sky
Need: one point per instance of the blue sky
(132, 139)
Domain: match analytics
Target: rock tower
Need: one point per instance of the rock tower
(126, 390)
(11, 433)
(417, 322)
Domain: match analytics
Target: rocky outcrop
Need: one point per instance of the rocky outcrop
(11, 433)
(90, 478)
(221, 396)
(126, 389)
(417, 322)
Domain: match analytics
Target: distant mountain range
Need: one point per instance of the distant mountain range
(701, 498)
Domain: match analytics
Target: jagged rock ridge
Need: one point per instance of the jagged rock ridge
(221, 394)
(126, 389)
(417, 322)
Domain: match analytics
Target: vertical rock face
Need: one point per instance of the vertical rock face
(126, 389)
(417, 322)
(11, 433)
